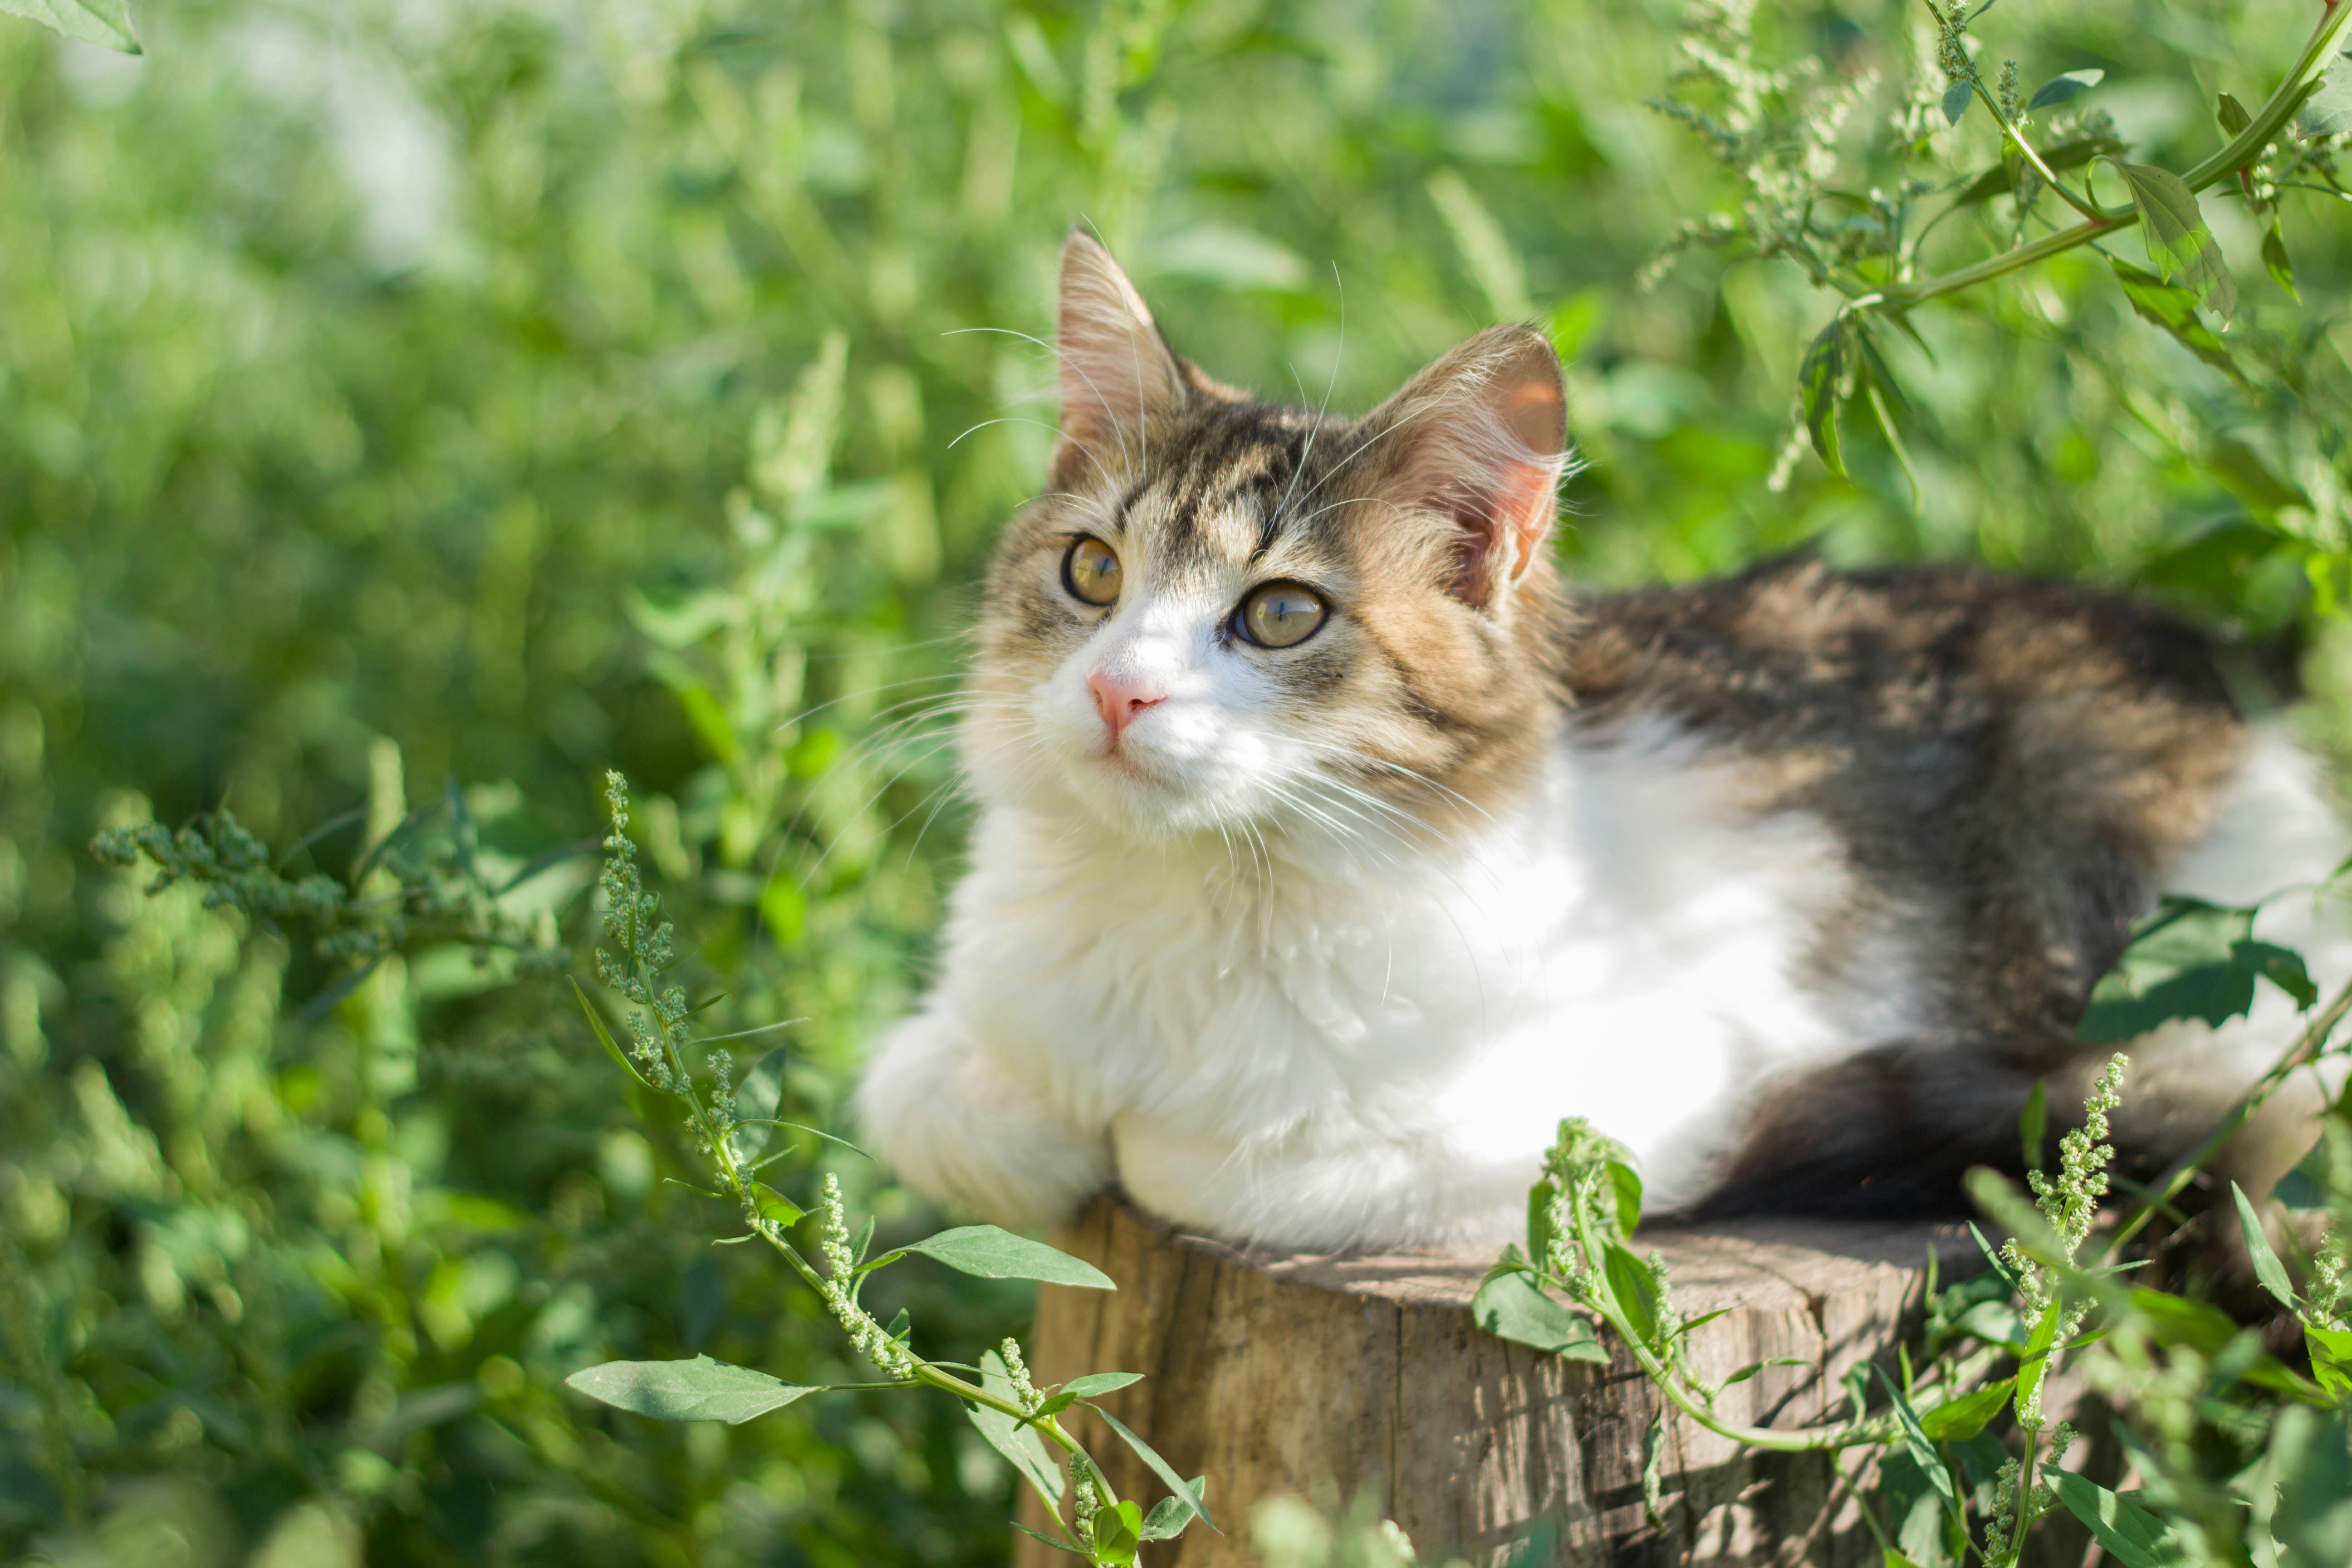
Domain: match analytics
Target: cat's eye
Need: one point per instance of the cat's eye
(1281, 615)
(1090, 571)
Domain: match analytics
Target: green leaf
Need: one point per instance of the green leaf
(2063, 86)
(604, 1036)
(2216, 1336)
(1018, 1442)
(103, 22)
(2031, 1123)
(1818, 375)
(2331, 1358)
(2179, 241)
(1635, 1286)
(1753, 1367)
(2232, 115)
(1511, 1306)
(1539, 1236)
(1922, 1451)
(986, 1252)
(759, 1098)
(775, 1206)
(2173, 308)
(2275, 257)
(1119, 1531)
(1050, 1540)
(1189, 1493)
(1959, 1419)
(1169, 1515)
(2035, 1364)
(1999, 180)
(2189, 959)
(2305, 1188)
(1625, 1185)
(1956, 98)
(2328, 110)
(2133, 1536)
(698, 1390)
(2310, 1464)
(2267, 1266)
(2241, 471)
(1095, 1383)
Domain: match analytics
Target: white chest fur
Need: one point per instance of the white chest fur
(1308, 1043)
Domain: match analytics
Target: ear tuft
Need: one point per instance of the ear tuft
(1117, 371)
(1481, 438)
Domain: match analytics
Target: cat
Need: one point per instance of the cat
(1329, 850)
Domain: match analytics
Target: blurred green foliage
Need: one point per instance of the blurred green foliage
(433, 402)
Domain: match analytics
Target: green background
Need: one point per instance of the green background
(397, 393)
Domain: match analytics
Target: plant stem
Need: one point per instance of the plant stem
(1604, 1300)
(2242, 150)
(2179, 1174)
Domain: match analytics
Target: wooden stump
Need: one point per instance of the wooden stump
(1283, 1373)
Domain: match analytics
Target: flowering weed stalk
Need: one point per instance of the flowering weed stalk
(699, 1076)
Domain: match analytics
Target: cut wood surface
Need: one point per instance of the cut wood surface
(1286, 1373)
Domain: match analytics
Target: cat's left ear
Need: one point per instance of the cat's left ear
(1481, 439)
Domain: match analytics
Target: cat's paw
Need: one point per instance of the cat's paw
(962, 1133)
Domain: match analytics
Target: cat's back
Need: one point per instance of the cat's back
(2011, 764)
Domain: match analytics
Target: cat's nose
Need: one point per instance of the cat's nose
(1119, 698)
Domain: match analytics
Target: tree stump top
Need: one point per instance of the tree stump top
(1285, 1372)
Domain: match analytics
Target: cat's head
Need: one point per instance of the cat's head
(1227, 615)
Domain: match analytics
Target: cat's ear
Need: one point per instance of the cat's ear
(1117, 370)
(1481, 439)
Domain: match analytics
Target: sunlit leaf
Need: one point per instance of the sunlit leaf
(2131, 1534)
(759, 1099)
(604, 1036)
(1625, 1187)
(2189, 959)
(1171, 1515)
(2268, 1269)
(1019, 1443)
(2328, 110)
(1923, 1452)
(1511, 1306)
(775, 1206)
(2179, 242)
(102, 22)
(1967, 1416)
(2000, 179)
(698, 1390)
(1119, 1532)
(1818, 375)
(2281, 266)
(1188, 1494)
(989, 1253)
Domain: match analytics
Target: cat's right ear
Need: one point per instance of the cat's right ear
(1480, 439)
(1117, 370)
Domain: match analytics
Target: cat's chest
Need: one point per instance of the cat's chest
(1629, 923)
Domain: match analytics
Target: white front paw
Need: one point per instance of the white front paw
(963, 1132)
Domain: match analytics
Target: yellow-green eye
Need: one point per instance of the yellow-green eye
(1281, 615)
(1091, 571)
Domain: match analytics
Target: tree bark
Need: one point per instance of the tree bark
(1289, 1374)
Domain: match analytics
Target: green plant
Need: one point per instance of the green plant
(2236, 1450)
(730, 1124)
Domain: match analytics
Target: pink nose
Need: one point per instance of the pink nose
(1119, 701)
